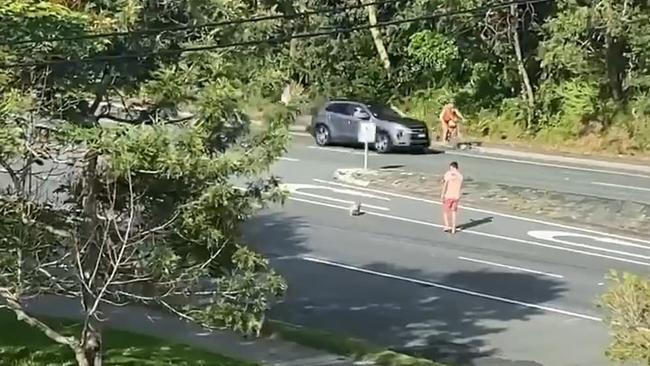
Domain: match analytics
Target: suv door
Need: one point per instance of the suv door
(338, 121)
(353, 121)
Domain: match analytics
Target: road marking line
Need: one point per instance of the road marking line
(288, 159)
(345, 151)
(621, 186)
(539, 163)
(293, 187)
(521, 241)
(550, 236)
(452, 289)
(303, 134)
(510, 160)
(511, 267)
(340, 200)
(537, 221)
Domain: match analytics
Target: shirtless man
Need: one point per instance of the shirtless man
(449, 118)
(450, 195)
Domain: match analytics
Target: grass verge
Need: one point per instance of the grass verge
(357, 349)
(21, 345)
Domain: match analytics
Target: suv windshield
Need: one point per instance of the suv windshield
(382, 112)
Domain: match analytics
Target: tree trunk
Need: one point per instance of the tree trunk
(521, 66)
(287, 93)
(615, 70)
(89, 353)
(376, 37)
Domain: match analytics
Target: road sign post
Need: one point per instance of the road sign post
(366, 135)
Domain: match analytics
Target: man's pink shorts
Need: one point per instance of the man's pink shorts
(450, 204)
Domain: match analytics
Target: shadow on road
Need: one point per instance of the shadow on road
(425, 320)
(276, 235)
(475, 223)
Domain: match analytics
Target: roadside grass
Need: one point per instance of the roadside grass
(354, 348)
(21, 345)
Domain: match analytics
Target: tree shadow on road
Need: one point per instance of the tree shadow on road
(276, 234)
(419, 319)
(398, 307)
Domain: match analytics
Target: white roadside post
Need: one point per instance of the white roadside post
(366, 135)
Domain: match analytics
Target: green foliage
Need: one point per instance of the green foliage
(568, 106)
(585, 63)
(627, 304)
(152, 147)
(433, 50)
(425, 104)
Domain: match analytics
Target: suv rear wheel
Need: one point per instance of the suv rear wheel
(322, 135)
(383, 144)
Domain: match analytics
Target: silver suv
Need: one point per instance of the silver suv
(337, 122)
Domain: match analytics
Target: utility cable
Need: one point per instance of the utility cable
(270, 40)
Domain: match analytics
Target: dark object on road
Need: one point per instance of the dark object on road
(475, 223)
(338, 121)
(355, 209)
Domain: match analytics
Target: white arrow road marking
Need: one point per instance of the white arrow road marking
(479, 233)
(294, 187)
(551, 236)
(297, 189)
(527, 219)
(327, 198)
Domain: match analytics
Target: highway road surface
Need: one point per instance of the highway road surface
(506, 290)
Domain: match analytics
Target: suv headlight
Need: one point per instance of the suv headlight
(402, 132)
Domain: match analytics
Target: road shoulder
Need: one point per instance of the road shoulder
(626, 164)
(611, 215)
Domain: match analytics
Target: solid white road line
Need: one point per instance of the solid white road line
(302, 134)
(345, 151)
(531, 162)
(506, 238)
(621, 186)
(511, 267)
(452, 289)
(509, 160)
(327, 198)
(537, 221)
(288, 159)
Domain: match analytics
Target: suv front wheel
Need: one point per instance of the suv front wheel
(383, 144)
(322, 135)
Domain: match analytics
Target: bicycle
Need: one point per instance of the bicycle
(453, 138)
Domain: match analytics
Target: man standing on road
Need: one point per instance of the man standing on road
(451, 188)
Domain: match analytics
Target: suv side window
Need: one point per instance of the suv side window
(352, 108)
(340, 108)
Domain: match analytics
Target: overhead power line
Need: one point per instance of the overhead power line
(272, 40)
(151, 31)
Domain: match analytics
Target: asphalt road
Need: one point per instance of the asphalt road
(504, 291)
